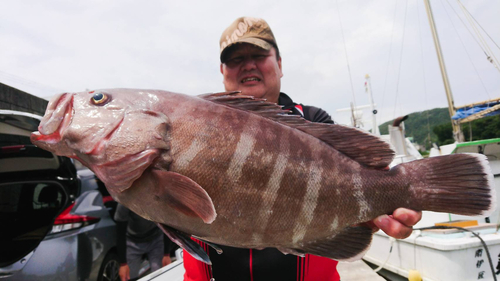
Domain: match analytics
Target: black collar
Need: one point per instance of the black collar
(286, 101)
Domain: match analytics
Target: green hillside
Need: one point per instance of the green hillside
(485, 128)
(436, 122)
(416, 125)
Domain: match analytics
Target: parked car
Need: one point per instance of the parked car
(55, 224)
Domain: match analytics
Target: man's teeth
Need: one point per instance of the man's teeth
(250, 79)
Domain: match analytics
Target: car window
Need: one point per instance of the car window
(78, 165)
(27, 212)
(22, 199)
(88, 183)
(9, 139)
(47, 196)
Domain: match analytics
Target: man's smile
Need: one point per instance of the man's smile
(250, 80)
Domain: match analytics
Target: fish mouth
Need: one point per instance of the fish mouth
(54, 125)
(56, 120)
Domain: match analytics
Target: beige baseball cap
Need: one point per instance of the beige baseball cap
(247, 30)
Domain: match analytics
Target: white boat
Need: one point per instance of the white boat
(446, 254)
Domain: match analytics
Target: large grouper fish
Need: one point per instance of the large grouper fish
(235, 170)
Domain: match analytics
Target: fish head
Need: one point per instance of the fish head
(117, 133)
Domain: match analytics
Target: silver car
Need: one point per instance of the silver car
(54, 222)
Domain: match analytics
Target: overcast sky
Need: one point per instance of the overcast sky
(52, 46)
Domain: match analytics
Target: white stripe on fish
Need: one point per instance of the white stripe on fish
(364, 207)
(244, 147)
(273, 186)
(309, 202)
(183, 159)
(335, 224)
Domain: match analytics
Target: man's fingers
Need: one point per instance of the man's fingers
(371, 225)
(399, 224)
(400, 220)
(124, 272)
(392, 227)
(406, 216)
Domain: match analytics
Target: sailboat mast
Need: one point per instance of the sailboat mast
(457, 132)
(372, 104)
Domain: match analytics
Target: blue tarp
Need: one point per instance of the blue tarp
(468, 111)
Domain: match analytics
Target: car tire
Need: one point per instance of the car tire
(110, 268)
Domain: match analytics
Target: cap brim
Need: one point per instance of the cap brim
(254, 41)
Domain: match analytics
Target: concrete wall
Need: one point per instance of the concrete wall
(14, 99)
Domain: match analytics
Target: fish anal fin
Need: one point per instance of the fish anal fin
(213, 245)
(185, 242)
(361, 146)
(288, 251)
(349, 245)
(184, 195)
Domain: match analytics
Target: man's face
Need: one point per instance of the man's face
(253, 71)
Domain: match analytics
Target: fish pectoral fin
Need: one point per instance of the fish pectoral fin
(185, 242)
(349, 245)
(184, 195)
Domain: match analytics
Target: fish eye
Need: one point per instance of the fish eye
(99, 98)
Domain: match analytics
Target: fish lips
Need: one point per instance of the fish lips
(56, 120)
(54, 126)
(58, 115)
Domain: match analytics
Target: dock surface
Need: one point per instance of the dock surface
(357, 271)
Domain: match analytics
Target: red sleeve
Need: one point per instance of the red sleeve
(195, 269)
(312, 268)
(321, 269)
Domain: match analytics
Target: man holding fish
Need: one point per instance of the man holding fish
(236, 170)
(251, 63)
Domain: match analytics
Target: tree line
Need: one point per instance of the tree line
(434, 126)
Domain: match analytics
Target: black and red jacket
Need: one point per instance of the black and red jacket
(267, 264)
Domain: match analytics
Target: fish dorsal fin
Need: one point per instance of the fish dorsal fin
(358, 145)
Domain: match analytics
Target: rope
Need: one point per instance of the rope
(479, 25)
(474, 233)
(390, 51)
(388, 255)
(423, 75)
(491, 57)
(400, 60)
(467, 28)
(14, 78)
(346, 57)
(468, 55)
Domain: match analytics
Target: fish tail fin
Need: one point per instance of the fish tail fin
(459, 183)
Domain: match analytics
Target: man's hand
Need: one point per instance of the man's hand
(398, 225)
(124, 272)
(166, 260)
